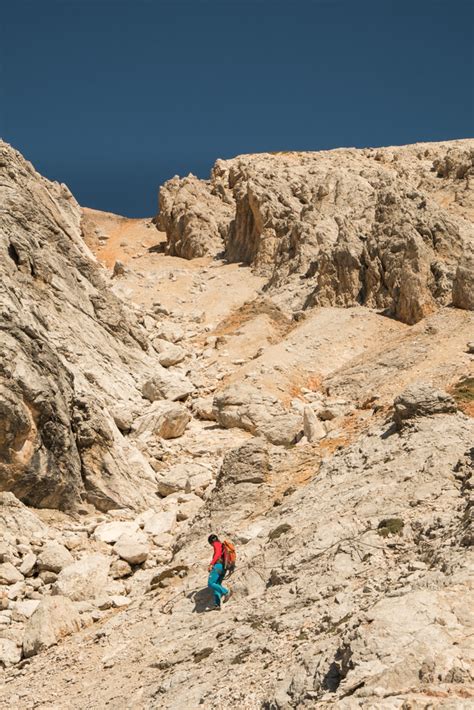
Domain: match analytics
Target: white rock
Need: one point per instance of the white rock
(111, 532)
(170, 331)
(168, 353)
(9, 574)
(54, 557)
(167, 385)
(166, 419)
(161, 523)
(84, 579)
(313, 428)
(119, 600)
(55, 618)
(28, 564)
(164, 540)
(203, 409)
(132, 549)
(119, 569)
(24, 609)
(10, 653)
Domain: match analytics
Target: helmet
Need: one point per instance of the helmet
(212, 538)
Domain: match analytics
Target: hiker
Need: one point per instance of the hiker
(217, 572)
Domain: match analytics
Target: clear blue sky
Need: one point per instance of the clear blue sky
(113, 97)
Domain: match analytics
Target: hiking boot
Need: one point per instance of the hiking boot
(227, 596)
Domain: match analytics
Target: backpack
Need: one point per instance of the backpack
(229, 556)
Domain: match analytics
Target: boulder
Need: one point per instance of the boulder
(84, 579)
(161, 523)
(185, 477)
(203, 409)
(244, 406)
(55, 618)
(166, 419)
(28, 564)
(422, 400)
(171, 386)
(313, 428)
(120, 569)
(9, 574)
(54, 557)
(111, 532)
(172, 332)
(168, 353)
(10, 653)
(134, 549)
(24, 609)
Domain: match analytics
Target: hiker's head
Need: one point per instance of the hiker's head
(212, 538)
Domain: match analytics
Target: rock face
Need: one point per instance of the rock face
(69, 351)
(55, 618)
(388, 228)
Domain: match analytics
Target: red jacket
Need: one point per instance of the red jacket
(217, 556)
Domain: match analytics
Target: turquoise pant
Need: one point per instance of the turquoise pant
(216, 576)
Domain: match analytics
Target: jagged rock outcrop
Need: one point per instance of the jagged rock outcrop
(70, 351)
(387, 228)
(195, 214)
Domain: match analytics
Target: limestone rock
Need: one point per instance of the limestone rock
(55, 618)
(194, 216)
(313, 428)
(84, 579)
(24, 609)
(166, 419)
(134, 549)
(337, 228)
(27, 565)
(54, 557)
(70, 349)
(120, 569)
(9, 574)
(247, 408)
(111, 532)
(463, 286)
(160, 523)
(203, 409)
(10, 653)
(172, 332)
(168, 353)
(248, 463)
(422, 400)
(169, 386)
(186, 477)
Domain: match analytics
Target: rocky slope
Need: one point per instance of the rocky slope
(149, 399)
(387, 228)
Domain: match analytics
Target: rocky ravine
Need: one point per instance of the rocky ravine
(153, 390)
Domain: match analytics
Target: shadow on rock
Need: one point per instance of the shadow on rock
(203, 600)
